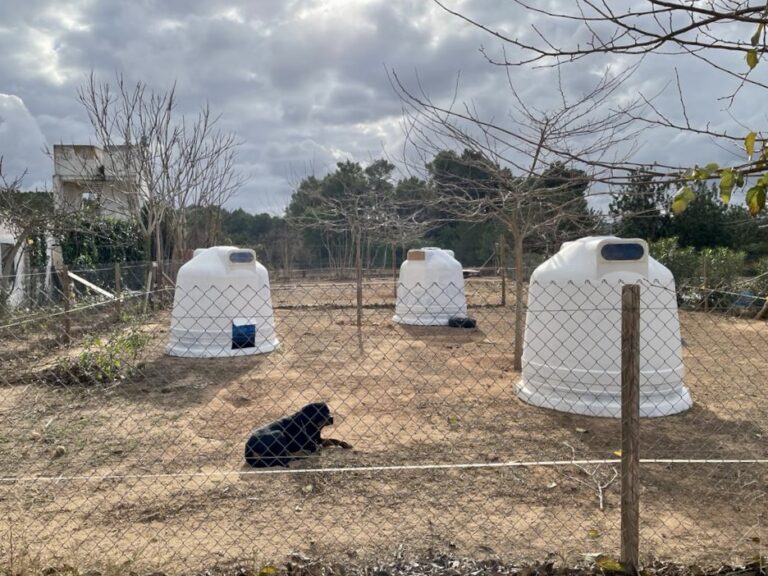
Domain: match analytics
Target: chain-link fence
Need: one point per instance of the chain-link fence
(126, 423)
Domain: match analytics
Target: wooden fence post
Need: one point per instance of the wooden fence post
(66, 288)
(148, 286)
(630, 427)
(118, 290)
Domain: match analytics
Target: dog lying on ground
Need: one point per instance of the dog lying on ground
(462, 322)
(284, 440)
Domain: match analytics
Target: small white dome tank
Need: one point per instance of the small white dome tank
(431, 288)
(572, 345)
(222, 306)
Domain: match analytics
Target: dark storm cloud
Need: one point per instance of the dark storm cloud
(304, 83)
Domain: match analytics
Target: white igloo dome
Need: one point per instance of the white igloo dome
(431, 288)
(222, 306)
(572, 344)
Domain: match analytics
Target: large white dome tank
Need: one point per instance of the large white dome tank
(222, 306)
(431, 288)
(572, 345)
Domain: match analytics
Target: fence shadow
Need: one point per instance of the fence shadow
(174, 382)
(443, 334)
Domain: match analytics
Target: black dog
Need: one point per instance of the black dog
(462, 322)
(284, 440)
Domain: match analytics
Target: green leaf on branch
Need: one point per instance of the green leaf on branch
(749, 144)
(756, 36)
(740, 180)
(704, 173)
(762, 162)
(727, 183)
(681, 200)
(752, 58)
(756, 199)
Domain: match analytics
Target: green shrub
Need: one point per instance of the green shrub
(91, 242)
(101, 361)
(758, 285)
(682, 262)
(721, 268)
(711, 277)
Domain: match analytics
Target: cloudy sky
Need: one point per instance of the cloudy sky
(302, 82)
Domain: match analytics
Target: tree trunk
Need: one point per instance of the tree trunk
(180, 232)
(159, 254)
(328, 250)
(212, 233)
(179, 250)
(763, 310)
(158, 243)
(359, 276)
(503, 269)
(519, 286)
(286, 262)
(148, 256)
(367, 252)
(179, 245)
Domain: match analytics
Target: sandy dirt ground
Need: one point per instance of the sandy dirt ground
(148, 471)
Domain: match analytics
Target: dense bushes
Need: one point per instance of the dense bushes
(759, 283)
(720, 268)
(683, 262)
(711, 277)
(714, 277)
(90, 243)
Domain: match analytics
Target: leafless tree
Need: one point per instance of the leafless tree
(167, 162)
(18, 220)
(29, 216)
(359, 202)
(710, 32)
(698, 29)
(587, 133)
(403, 231)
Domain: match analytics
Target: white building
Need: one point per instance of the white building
(106, 178)
(85, 173)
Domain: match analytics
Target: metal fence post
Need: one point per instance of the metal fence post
(630, 427)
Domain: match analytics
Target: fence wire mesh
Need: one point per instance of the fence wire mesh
(127, 424)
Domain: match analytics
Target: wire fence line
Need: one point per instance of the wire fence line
(393, 468)
(116, 452)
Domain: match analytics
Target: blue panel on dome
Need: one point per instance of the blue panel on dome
(243, 336)
(623, 251)
(241, 257)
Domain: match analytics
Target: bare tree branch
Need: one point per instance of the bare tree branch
(167, 162)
